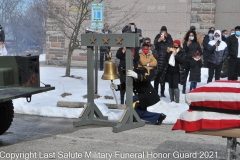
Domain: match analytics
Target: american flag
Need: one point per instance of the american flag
(213, 106)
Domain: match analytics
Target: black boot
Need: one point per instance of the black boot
(176, 94)
(171, 94)
(184, 89)
(161, 118)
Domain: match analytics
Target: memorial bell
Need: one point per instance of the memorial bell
(110, 69)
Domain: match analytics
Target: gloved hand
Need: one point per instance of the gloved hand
(113, 86)
(131, 73)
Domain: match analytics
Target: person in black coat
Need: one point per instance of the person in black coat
(218, 54)
(162, 41)
(2, 35)
(195, 70)
(121, 55)
(173, 70)
(234, 55)
(144, 93)
(191, 46)
(206, 53)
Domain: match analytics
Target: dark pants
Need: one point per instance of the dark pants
(145, 115)
(193, 85)
(205, 60)
(233, 68)
(187, 69)
(157, 81)
(211, 69)
(122, 79)
(173, 80)
(102, 59)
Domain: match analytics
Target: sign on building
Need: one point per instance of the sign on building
(97, 15)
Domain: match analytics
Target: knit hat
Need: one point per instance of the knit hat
(177, 42)
(192, 28)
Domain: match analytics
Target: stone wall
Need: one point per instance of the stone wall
(203, 15)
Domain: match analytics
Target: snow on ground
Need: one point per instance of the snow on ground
(45, 104)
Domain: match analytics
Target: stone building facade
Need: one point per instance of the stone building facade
(177, 15)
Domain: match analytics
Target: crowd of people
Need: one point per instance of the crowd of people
(165, 60)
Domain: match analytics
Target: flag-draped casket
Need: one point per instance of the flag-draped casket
(214, 106)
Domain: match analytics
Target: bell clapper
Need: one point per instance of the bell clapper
(112, 86)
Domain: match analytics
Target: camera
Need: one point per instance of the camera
(132, 23)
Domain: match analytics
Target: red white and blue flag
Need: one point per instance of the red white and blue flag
(213, 106)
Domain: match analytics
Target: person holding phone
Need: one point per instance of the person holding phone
(218, 53)
(191, 46)
(162, 41)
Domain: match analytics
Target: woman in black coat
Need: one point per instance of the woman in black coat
(190, 45)
(173, 73)
(206, 53)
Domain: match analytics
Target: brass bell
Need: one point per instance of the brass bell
(110, 69)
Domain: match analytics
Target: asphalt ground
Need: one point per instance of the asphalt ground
(35, 137)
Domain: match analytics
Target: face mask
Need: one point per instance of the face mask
(145, 51)
(176, 47)
(216, 38)
(232, 33)
(237, 33)
(191, 38)
(225, 36)
(210, 35)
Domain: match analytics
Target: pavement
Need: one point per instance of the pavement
(35, 137)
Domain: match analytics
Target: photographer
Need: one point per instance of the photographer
(2, 35)
(162, 41)
(218, 54)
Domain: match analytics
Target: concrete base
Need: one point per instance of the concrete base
(81, 105)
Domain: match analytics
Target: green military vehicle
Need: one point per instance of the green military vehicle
(19, 78)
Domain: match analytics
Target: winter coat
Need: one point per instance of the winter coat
(206, 40)
(178, 68)
(2, 35)
(122, 57)
(161, 48)
(191, 49)
(232, 44)
(195, 70)
(143, 88)
(217, 54)
(147, 60)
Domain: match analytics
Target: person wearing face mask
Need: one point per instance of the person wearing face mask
(191, 46)
(218, 54)
(224, 35)
(232, 32)
(161, 42)
(173, 70)
(233, 43)
(206, 40)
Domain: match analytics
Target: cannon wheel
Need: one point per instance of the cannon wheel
(6, 116)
